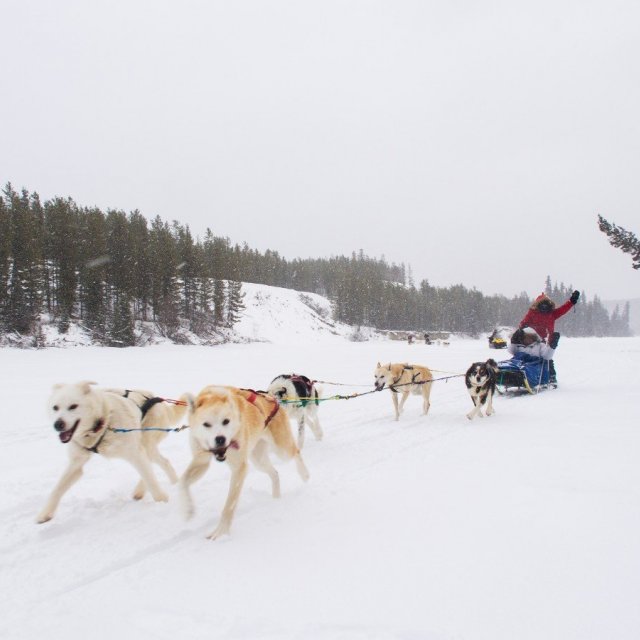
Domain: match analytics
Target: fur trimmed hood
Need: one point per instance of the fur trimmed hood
(541, 298)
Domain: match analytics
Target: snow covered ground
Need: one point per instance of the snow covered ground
(525, 525)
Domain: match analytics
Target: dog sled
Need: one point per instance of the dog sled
(523, 373)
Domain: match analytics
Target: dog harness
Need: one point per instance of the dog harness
(414, 377)
(146, 405)
(253, 396)
(99, 424)
(304, 388)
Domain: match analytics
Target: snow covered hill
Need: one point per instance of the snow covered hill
(525, 525)
(274, 314)
(271, 314)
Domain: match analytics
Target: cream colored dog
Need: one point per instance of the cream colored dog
(85, 418)
(404, 379)
(155, 414)
(236, 425)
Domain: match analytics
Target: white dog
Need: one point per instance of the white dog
(302, 396)
(157, 415)
(84, 418)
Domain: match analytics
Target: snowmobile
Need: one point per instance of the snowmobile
(496, 341)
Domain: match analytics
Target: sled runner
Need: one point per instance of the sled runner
(523, 372)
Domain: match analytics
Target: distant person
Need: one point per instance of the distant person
(410, 339)
(542, 316)
(427, 338)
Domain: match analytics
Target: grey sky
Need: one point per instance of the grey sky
(476, 141)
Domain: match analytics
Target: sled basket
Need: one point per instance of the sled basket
(523, 372)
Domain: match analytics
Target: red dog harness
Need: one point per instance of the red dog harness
(253, 396)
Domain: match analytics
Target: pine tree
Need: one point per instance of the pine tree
(219, 299)
(61, 258)
(621, 239)
(164, 288)
(93, 260)
(25, 281)
(235, 304)
(121, 325)
(5, 259)
(141, 277)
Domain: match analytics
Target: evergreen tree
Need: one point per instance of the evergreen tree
(25, 280)
(93, 259)
(121, 326)
(164, 289)
(61, 258)
(139, 245)
(5, 259)
(622, 239)
(219, 300)
(235, 304)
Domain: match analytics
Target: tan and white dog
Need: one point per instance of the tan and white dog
(403, 379)
(236, 425)
(84, 418)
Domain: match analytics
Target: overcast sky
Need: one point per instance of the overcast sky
(476, 141)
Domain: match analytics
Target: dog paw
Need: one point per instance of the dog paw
(187, 508)
(138, 495)
(44, 517)
(161, 497)
(470, 416)
(217, 532)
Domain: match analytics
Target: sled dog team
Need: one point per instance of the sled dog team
(238, 426)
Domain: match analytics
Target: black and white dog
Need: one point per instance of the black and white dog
(481, 383)
(300, 396)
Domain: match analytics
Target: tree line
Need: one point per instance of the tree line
(105, 271)
(111, 271)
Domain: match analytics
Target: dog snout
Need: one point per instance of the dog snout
(59, 425)
(220, 441)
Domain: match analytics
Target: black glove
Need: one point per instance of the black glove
(574, 297)
(517, 336)
(555, 338)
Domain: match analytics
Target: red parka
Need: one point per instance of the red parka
(544, 323)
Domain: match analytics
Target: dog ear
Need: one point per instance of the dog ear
(389, 366)
(378, 365)
(85, 386)
(190, 400)
(492, 363)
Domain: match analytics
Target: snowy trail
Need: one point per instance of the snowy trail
(523, 525)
